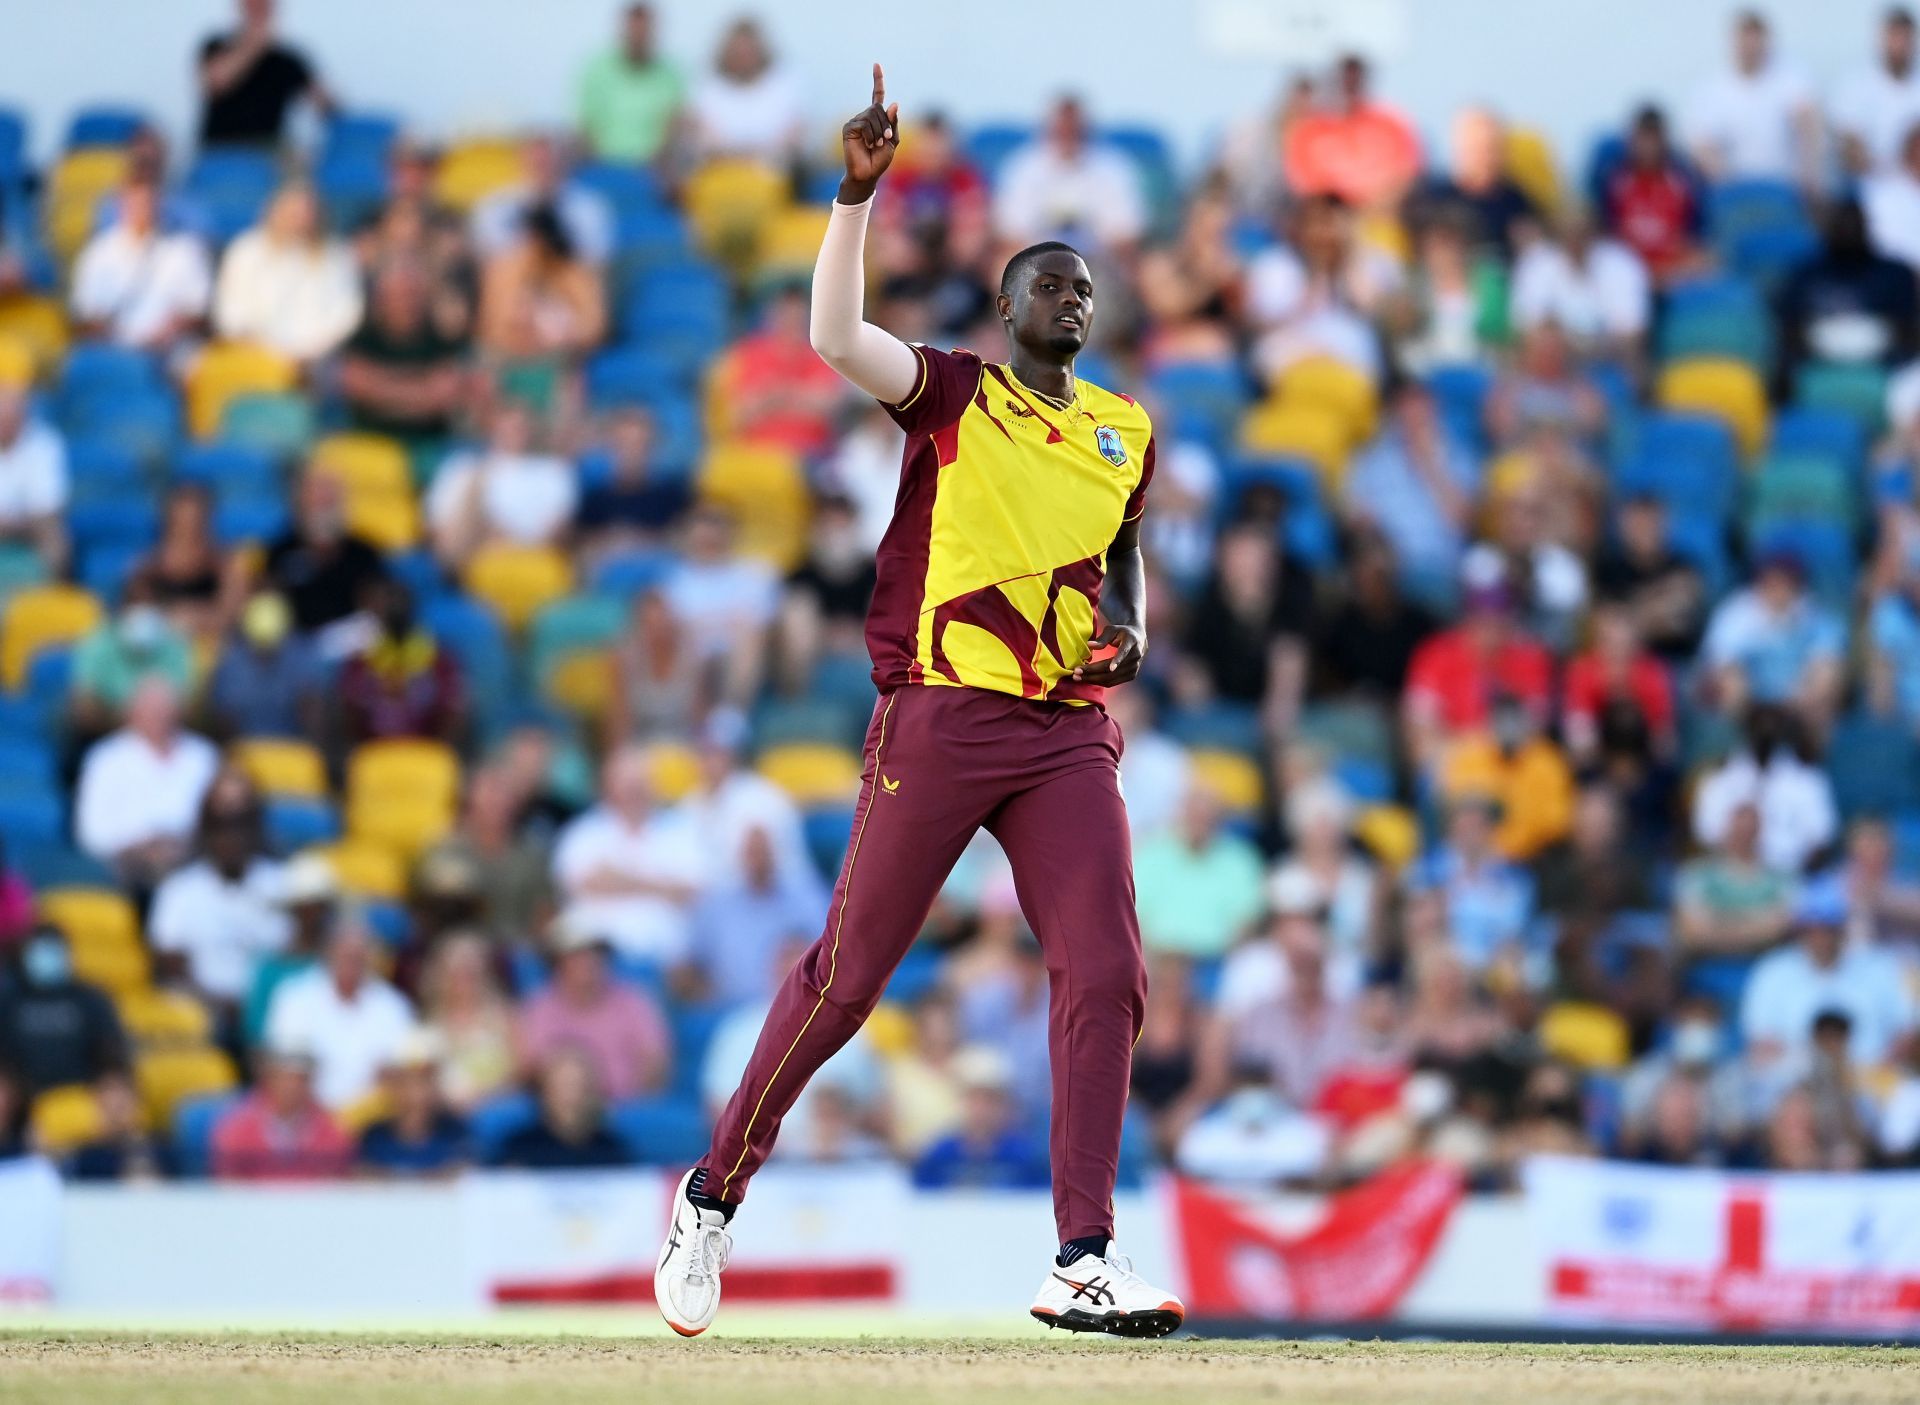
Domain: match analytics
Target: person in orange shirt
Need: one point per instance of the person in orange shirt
(1514, 763)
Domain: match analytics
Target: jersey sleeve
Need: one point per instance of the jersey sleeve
(1137, 500)
(946, 384)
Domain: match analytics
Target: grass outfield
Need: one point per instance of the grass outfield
(93, 1368)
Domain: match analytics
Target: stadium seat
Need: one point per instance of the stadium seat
(1737, 207)
(1717, 317)
(281, 425)
(144, 425)
(364, 463)
(194, 1119)
(365, 869)
(1585, 1034)
(989, 146)
(66, 1118)
(157, 1019)
(766, 490)
(1311, 432)
(225, 370)
(813, 773)
(293, 824)
(92, 917)
(103, 124)
(1233, 777)
(790, 242)
(516, 582)
(674, 770)
(1691, 462)
(42, 617)
(1800, 429)
(401, 794)
(498, 1118)
(1800, 487)
(472, 170)
(1532, 166)
(571, 625)
(283, 766)
(75, 186)
(1204, 401)
(364, 133)
(663, 1131)
(37, 325)
(1391, 833)
(729, 203)
(18, 365)
(116, 970)
(1729, 390)
(1322, 383)
(168, 1077)
(1856, 390)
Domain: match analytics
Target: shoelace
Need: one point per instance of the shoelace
(708, 1254)
(1122, 1267)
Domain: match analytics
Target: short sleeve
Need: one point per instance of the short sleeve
(940, 395)
(1137, 500)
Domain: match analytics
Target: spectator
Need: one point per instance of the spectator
(1323, 866)
(111, 661)
(193, 580)
(140, 788)
(343, 1014)
(740, 922)
(1199, 884)
(280, 1131)
(637, 505)
(1874, 108)
(627, 870)
(749, 107)
(936, 214)
(657, 687)
(1773, 643)
(923, 1081)
(1528, 547)
(1848, 304)
(724, 602)
(505, 491)
(1155, 770)
(1456, 673)
(1794, 1141)
(1891, 203)
(1477, 182)
(310, 895)
(988, 1150)
(1899, 1131)
(779, 392)
(1652, 200)
(420, 1135)
(1706, 1122)
(1545, 392)
(1351, 145)
(1616, 674)
(1247, 642)
(1368, 643)
(33, 482)
(1728, 902)
(138, 284)
(214, 920)
(570, 1132)
(268, 681)
(1883, 904)
(124, 1150)
(400, 373)
(1795, 984)
(413, 227)
(516, 896)
(1489, 902)
(730, 802)
(55, 1028)
(287, 284)
(1842, 1108)
(1758, 120)
(583, 212)
(250, 81)
(16, 903)
(1453, 311)
(401, 683)
(541, 303)
(467, 1016)
(1190, 287)
(619, 1029)
(631, 99)
(1593, 287)
(1067, 184)
(1253, 1136)
(1416, 484)
(1522, 771)
(1597, 872)
(1662, 589)
(1773, 773)
(1314, 295)
(319, 566)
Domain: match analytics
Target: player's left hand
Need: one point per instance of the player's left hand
(1118, 652)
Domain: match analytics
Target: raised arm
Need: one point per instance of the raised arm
(875, 360)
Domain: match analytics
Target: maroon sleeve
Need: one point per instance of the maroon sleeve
(946, 385)
(1137, 501)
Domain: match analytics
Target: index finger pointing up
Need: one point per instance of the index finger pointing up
(879, 88)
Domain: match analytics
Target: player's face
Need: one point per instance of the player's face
(1053, 308)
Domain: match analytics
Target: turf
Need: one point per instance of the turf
(92, 1368)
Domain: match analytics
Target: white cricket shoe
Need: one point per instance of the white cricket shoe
(1105, 1295)
(687, 1282)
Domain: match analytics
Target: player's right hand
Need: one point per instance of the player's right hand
(868, 142)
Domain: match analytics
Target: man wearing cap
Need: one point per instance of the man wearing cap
(309, 894)
(616, 1026)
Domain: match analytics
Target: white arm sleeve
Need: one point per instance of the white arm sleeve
(875, 360)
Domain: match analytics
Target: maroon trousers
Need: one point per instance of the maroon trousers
(1043, 778)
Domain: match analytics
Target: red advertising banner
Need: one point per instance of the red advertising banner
(1356, 1262)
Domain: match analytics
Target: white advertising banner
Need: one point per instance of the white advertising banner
(29, 1231)
(1621, 1244)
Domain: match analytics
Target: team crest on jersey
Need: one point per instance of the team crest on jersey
(1107, 439)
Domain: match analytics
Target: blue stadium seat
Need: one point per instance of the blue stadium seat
(917, 973)
(827, 833)
(989, 147)
(496, 1119)
(474, 635)
(1690, 462)
(194, 1121)
(54, 863)
(26, 763)
(1769, 255)
(694, 1025)
(13, 145)
(1219, 725)
(1738, 207)
(1701, 539)
(686, 304)
(49, 682)
(419, 572)
(1874, 764)
(780, 721)
(143, 423)
(1824, 548)
(1205, 402)
(1802, 429)
(294, 824)
(389, 922)
(1461, 394)
(30, 816)
(1295, 479)
(1721, 316)
(250, 517)
(643, 237)
(628, 573)
(121, 517)
(361, 133)
(104, 125)
(625, 187)
(664, 1131)
(100, 465)
(228, 468)
(102, 367)
(352, 183)
(634, 374)
(106, 566)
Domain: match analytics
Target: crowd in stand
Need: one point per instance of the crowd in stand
(434, 582)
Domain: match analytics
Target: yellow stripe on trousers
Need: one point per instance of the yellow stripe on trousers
(833, 955)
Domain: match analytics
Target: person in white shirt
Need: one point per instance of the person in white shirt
(628, 871)
(1759, 119)
(749, 107)
(730, 802)
(723, 602)
(504, 491)
(141, 787)
(1794, 800)
(1156, 772)
(1818, 971)
(1596, 289)
(1065, 185)
(343, 1014)
(1876, 107)
(33, 481)
(213, 921)
(136, 284)
(584, 213)
(1891, 202)
(286, 284)
(1316, 294)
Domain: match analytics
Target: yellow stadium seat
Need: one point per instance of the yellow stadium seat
(37, 325)
(1390, 832)
(675, 771)
(766, 490)
(790, 240)
(168, 1077)
(516, 581)
(226, 370)
(582, 682)
(365, 869)
(389, 521)
(1585, 1034)
(889, 1030)
(165, 1018)
(1310, 432)
(405, 828)
(92, 917)
(74, 189)
(1231, 775)
(66, 1117)
(42, 617)
(18, 365)
(408, 769)
(364, 463)
(1531, 166)
(813, 773)
(1321, 382)
(473, 170)
(1719, 386)
(283, 766)
(729, 204)
(363, 1111)
(115, 969)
